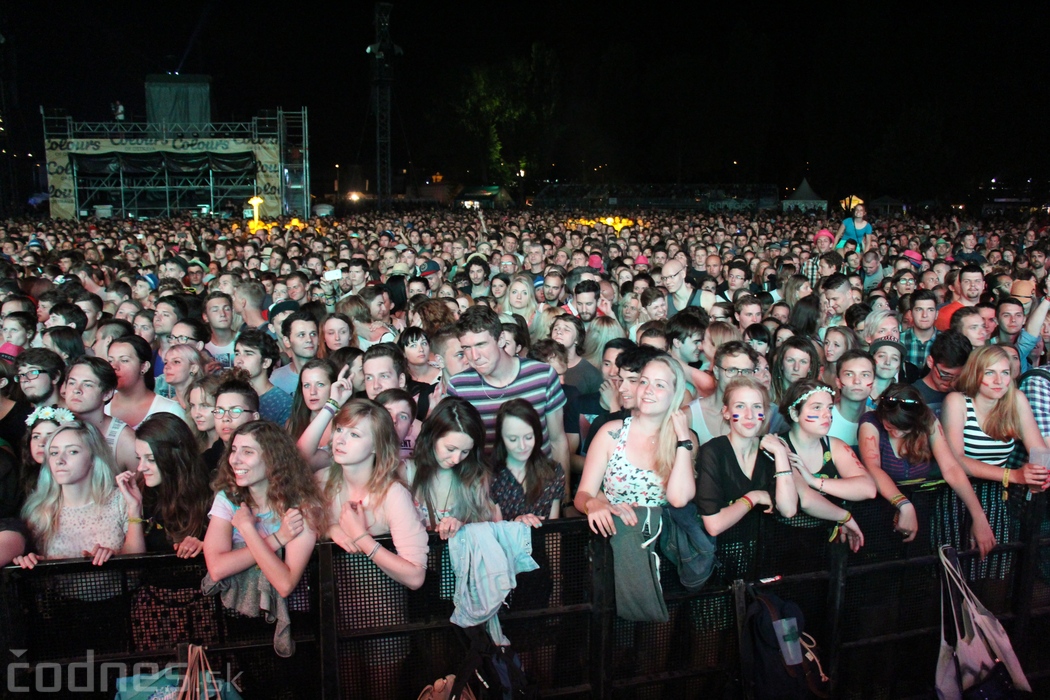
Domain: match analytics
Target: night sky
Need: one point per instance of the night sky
(916, 102)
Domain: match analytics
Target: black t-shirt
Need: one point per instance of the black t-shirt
(571, 414)
(13, 425)
(211, 457)
(720, 480)
(933, 398)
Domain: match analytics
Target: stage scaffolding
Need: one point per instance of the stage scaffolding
(137, 169)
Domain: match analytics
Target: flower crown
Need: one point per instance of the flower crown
(817, 390)
(51, 413)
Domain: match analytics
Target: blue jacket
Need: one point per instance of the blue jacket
(486, 559)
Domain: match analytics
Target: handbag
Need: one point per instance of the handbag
(982, 664)
(197, 683)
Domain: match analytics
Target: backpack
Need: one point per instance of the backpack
(496, 669)
(779, 659)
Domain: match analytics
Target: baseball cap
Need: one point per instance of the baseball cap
(429, 268)
(282, 306)
(913, 256)
(388, 234)
(1023, 290)
(595, 261)
(886, 342)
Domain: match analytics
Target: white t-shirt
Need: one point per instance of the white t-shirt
(222, 353)
(159, 405)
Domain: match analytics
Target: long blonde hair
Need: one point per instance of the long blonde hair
(42, 508)
(529, 313)
(602, 330)
(666, 438)
(1002, 422)
(387, 454)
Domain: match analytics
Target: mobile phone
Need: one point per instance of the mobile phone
(140, 236)
(333, 275)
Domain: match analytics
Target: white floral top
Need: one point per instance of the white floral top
(81, 528)
(626, 483)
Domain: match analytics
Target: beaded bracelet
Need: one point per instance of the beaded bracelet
(777, 475)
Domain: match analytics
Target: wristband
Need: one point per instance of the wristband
(838, 526)
(374, 550)
(748, 501)
(136, 521)
(1006, 484)
(897, 500)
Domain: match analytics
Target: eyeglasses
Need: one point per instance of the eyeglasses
(29, 375)
(737, 371)
(234, 413)
(893, 401)
(946, 376)
(183, 339)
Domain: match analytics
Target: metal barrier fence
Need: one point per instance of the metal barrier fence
(70, 629)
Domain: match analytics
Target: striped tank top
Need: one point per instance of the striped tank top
(979, 445)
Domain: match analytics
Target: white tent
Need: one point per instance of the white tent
(804, 199)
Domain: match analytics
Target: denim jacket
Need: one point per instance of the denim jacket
(486, 559)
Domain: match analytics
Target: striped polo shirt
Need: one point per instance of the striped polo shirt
(537, 383)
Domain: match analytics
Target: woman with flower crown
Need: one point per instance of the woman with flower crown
(40, 425)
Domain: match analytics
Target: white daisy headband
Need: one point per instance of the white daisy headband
(51, 413)
(817, 390)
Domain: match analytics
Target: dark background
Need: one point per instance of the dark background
(915, 102)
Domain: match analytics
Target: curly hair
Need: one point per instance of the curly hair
(182, 499)
(470, 478)
(289, 478)
(387, 449)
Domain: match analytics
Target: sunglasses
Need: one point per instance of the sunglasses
(893, 401)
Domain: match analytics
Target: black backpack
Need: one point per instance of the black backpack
(493, 672)
(779, 659)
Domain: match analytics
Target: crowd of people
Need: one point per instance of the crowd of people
(188, 386)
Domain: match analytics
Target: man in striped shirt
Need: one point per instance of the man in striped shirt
(495, 378)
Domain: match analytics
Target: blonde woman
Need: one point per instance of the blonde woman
(631, 314)
(602, 330)
(521, 299)
(645, 459)
(77, 509)
(183, 364)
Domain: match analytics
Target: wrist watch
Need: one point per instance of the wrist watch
(687, 444)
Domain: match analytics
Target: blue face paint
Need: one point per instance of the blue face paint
(813, 418)
(761, 416)
(736, 416)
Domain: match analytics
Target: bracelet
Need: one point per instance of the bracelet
(820, 489)
(748, 501)
(849, 516)
(903, 502)
(363, 534)
(279, 543)
(136, 521)
(1006, 484)
(897, 500)
(374, 550)
(777, 475)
